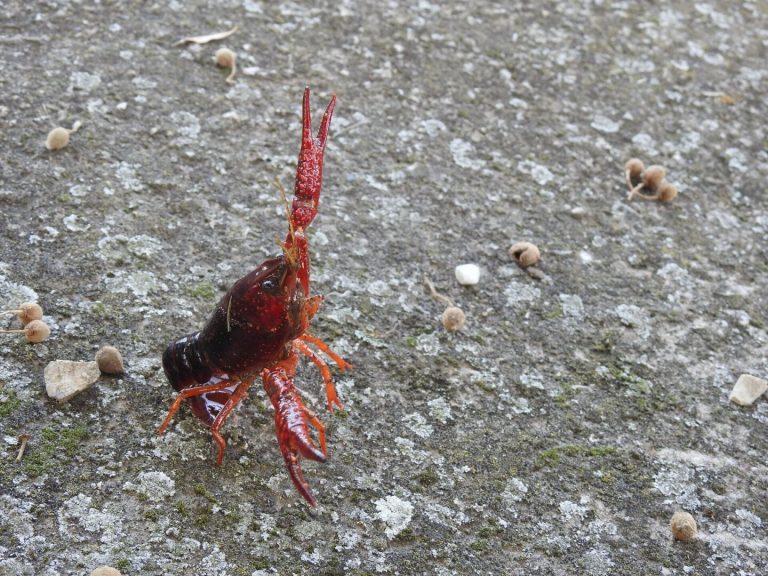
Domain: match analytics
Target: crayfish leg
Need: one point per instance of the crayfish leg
(198, 397)
(330, 389)
(232, 401)
(325, 349)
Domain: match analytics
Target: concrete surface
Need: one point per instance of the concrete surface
(556, 434)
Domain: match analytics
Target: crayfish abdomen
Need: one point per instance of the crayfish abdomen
(259, 328)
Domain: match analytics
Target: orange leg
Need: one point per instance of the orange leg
(319, 426)
(189, 393)
(325, 349)
(232, 401)
(330, 389)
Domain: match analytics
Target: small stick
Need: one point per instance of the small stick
(435, 294)
(635, 193)
(231, 78)
(629, 179)
(23, 438)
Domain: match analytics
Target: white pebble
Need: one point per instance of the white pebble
(65, 379)
(468, 274)
(747, 389)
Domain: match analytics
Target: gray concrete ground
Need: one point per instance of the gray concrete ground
(555, 434)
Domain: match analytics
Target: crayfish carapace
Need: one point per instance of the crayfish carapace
(259, 329)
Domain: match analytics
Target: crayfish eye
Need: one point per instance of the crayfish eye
(270, 285)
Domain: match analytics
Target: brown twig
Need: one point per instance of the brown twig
(23, 438)
(435, 294)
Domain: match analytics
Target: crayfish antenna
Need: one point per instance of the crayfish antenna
(289, 246)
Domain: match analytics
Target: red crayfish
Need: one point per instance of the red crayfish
(259, 328)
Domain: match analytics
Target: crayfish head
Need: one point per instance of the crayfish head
(267, 304)
(271, 299)
(257, 317)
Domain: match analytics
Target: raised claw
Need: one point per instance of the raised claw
(291, 424)
(309, 171)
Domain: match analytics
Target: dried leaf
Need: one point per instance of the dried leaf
(207, 38)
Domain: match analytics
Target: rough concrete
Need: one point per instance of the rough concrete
(557, 433)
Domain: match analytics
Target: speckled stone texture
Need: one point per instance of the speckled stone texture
(557, 433)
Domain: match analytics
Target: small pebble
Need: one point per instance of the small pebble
(683, 526)
(467, 274)
(105, 571)
(110, 360)
(453, 318)
(65, 378)
(747, 389)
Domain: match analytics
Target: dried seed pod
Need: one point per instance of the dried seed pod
(666, 192)
(58, 138)
(453, 318)
(110, 360)
(525, 254)
(633, 169)
(683, 526)
(27, 312)
(35, 331)
(225, 58)
(653, 176)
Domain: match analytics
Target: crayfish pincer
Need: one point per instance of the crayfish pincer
(259, 329)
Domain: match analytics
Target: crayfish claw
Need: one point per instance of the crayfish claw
(309, 171)
(325, 123)
(292, 422)
(297, 477)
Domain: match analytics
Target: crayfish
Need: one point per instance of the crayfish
(259, 329)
